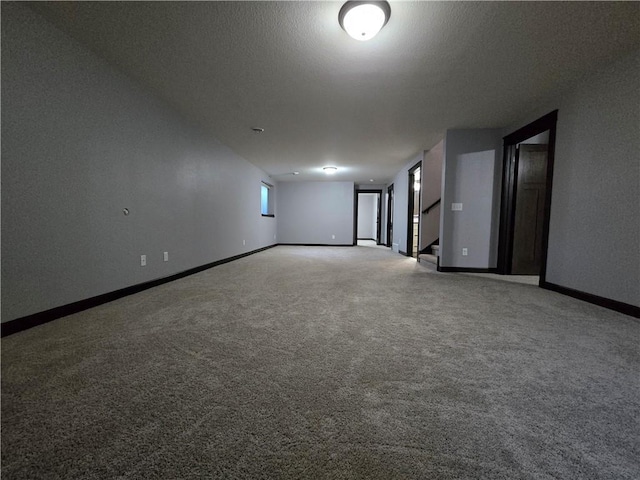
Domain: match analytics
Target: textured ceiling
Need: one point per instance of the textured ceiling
(324, 98)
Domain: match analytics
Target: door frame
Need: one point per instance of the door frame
(509, 182)
(390, 200)
(378, 215)
(411, 193)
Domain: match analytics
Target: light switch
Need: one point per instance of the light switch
(456, 207)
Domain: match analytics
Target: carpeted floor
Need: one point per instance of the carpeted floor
(336, 363)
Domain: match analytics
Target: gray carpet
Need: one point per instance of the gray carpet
(337, 363)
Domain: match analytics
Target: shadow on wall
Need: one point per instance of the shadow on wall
(470, 198)
(431, 194)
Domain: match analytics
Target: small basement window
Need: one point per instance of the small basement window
(266, 200)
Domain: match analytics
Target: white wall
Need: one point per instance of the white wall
(80, 142)
(472, 159)
(367, 215)
(314, 212)
(594, 238)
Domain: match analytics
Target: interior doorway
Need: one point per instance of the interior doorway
(368, 215)
(531, 168)
(390, 205)
(413, 221)
(526, 198)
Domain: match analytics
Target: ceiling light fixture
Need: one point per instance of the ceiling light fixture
(330, 170)
(363, 20)
(257, 130)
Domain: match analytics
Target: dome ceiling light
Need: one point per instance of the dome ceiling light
(363, 20)
(330, 170)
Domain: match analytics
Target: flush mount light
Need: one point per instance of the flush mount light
(257, 130)
(330, 170)
(363, 20)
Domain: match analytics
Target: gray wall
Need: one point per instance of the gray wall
(471, 176)
(313, 212)
(594, 239)
(367, 210)
(431, 191)
(80, 142)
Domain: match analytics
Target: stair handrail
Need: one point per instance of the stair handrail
(426, 210)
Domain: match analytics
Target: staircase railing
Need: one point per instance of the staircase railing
(426, 210)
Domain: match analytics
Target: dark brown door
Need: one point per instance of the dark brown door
(378, 219)
(530, 196)
(413, 219)
(390, 216)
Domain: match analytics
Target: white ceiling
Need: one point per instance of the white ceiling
(324, 98)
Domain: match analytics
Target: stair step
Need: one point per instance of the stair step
(427, 257)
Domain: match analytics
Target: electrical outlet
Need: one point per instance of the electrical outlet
(143, 260)
(166, 256)
(244, 242)
(457, 207)
(465, 252)
(333, 237)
